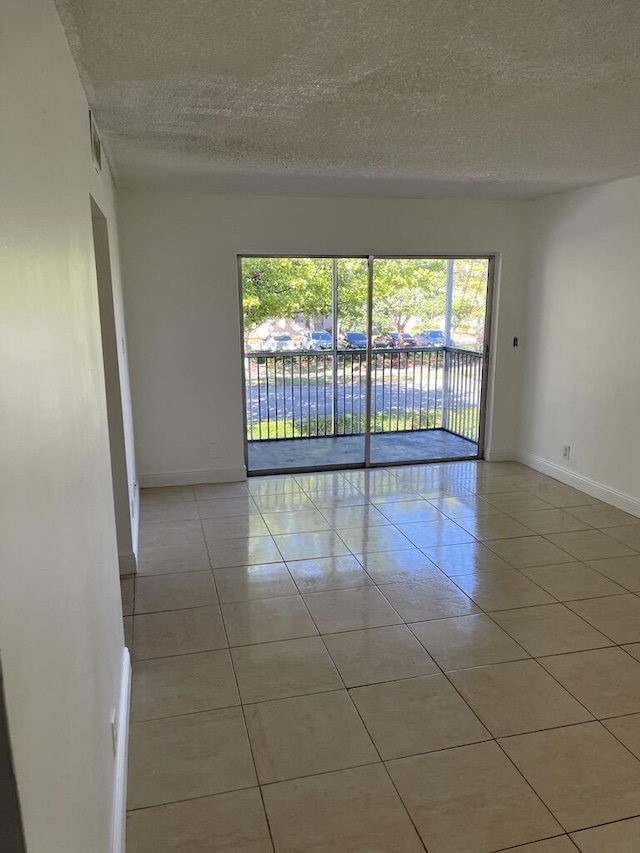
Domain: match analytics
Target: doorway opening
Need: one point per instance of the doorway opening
(115, 417)
(363, 361)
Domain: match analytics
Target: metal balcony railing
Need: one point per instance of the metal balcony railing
(312, 394)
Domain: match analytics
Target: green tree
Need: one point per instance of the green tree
(282, 287)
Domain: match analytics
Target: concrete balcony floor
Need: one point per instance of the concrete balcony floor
(386, 448)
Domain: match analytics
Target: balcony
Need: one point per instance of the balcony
(309, 409)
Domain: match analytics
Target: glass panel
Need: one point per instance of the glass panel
(300, 403)
(425, 395)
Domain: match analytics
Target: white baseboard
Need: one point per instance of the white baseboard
(193, 478)
(498, 454)
(122, 750)
(616, 498)
(128, 564)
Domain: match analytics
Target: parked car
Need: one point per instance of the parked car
(353, 340)
(278, 343)
(432, 338)
(395, 340)
(317, 340)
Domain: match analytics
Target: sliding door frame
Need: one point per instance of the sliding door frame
(367, 463)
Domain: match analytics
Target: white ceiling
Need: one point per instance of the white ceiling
(494, 98)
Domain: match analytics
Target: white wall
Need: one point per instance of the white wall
(581, 381)
(61, 635)
(181, 295)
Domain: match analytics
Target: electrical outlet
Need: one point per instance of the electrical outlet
(566, 452)
(213, 451)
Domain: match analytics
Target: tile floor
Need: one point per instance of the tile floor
(441, 658)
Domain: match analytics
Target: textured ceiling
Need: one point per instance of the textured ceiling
(497, 98)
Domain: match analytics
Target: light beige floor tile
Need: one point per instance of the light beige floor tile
(172, 534)
(560, 495)
(448, 489)
(274, 485)
(499, 526)
(467, 559)
(627, 730)
(267, 620)
(416, 715)
(377, 538)
(464, 507)
(518, 502)
(387, 495)
(404, 512)
(629, 534)
(489, 486)
(394, 566)
(621, 837)
(160, 513)
(623, 570)
(550, 521)
(432, 534)
(467, 641)
(378, 654)
(633, 649)
(326, 500)
(590, 544)
(606, 681)
(166, 494)
(571, 581)
(530, 551)
(353, 516)
(323, 480)
(603, 515)
(517, 697)
(178, 632)
(349, 811)
(327, 573)
(471, 799)
(225, 822)
(434, 598)
(581, 772)
(127, 624)
(618, 617)
(174, 592)
(233, 527)
(502, 591)
(219, 491)
(306, 546)
(350, 609)
(300, 521)
(167, 687)
(243, 583)
(282, 502)
(127, 595)
(307, 735)
(179, 758)
(176, 562)
(561, 844)
(224, 553)
(244, 505)
(283, 669)
(173, 558)
(550, 629)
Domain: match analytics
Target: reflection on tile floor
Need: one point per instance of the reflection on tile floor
(435, 657)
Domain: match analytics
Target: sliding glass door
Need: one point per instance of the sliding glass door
(358, 361)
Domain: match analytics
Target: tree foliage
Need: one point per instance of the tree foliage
(405, 290)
